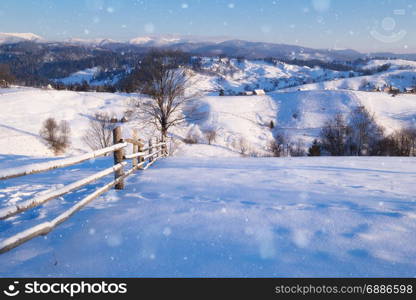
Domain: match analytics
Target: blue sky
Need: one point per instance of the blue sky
(365, 25)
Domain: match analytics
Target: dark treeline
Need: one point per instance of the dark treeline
(359, 135)
(35, 64)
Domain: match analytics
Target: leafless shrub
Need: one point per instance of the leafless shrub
(297, 148)
(242, 146)
(99, 133)
(279, 146)
(210, 135)
(400, 143)
(57, 137)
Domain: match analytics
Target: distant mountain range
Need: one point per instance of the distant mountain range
(211, 47)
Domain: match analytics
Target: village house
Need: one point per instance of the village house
(391, 90)
(248, 93)
(259, 92)
(3, 83)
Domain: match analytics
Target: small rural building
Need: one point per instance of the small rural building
(248, 93)
(410, 90)
(259, 92)
(3, 83)
(392, 90)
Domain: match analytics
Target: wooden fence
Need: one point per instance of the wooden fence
(143, 156)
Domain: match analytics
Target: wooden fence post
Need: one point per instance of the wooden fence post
(157, 147)
(141, 158)
(150, 150)
(135, 147)
(118, 156)
(165, 148)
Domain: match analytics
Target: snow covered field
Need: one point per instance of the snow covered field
(206, 211)
(238, 217)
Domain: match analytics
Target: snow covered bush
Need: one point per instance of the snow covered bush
(242, 146)
(194, 136)
(190, 139)
(57, 137)
(279, 146)
(297, 148)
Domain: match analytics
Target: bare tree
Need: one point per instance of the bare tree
(99, 133)
(334, 135)
(210, 135)
(278, 145)
(243, 146)
(404, 142)
(57, 137)
(363, 132)
(164, 80)
(6, 77)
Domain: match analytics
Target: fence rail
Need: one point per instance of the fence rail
(142, 159)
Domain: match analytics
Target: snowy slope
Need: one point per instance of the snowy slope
(80, 76)
(400, 74)
(25, 109)
(227, 217)
(90, 76)
(236, 118)
(236, 76)
(300, 114)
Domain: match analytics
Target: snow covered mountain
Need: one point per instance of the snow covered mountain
(90, 42)
(11, 38)
(170, 40)
(210, 46)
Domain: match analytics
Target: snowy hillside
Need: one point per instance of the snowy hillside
(400, 74)
(300, 114)
(236, 76)
(226, 217)
(90, 76)
(24, 110)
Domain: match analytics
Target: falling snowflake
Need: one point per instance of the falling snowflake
(321, 5)
(149, 27)
(266, 29)
(167, 231)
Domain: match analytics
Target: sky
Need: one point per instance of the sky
(363, 25)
